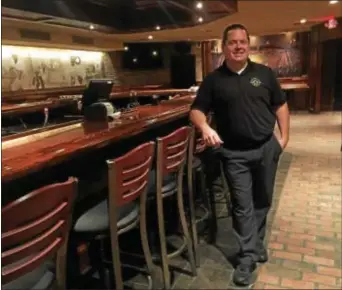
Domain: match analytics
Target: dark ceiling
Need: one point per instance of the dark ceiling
(119, 16)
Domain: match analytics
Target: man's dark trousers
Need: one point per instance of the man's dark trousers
(251, 176)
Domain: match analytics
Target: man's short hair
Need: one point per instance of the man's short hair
(233, 27)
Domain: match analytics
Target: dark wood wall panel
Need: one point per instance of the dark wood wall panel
(322, 66)
(329, 58)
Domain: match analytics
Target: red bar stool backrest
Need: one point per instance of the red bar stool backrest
(35, 227)
(172, 151)
(128, 174)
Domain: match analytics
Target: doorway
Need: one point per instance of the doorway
(338, 78)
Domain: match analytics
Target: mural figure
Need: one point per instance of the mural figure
(20, 71)
(279, 52)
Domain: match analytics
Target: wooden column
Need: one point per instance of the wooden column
(318, 82)
(315, 72)
(206, 58)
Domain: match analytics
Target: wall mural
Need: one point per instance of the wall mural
(39, 68)
(280, 52)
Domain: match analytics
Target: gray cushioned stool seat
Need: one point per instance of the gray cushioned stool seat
(39, 278)
(169, 183)
(196, 163)
(97, 218)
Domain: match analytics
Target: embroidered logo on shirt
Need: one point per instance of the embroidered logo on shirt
(255, 82)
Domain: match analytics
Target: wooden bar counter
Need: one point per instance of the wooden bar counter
(37, 152)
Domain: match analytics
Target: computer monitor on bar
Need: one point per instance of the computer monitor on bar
(97, 91)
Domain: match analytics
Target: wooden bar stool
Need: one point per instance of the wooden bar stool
(223, 197)
(35, 229)
(196, 178)
(171, 158)
(120, 213)
(211, 168)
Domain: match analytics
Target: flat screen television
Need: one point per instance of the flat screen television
(96, 91)
(142, 56)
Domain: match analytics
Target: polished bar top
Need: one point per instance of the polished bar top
(34, 152)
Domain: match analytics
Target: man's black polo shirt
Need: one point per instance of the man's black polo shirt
(244, 105)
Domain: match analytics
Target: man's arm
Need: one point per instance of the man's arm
(199, 119)
(283, 120)
(279, 102)
(200, 108)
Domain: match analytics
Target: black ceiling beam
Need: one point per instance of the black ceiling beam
(117, 16)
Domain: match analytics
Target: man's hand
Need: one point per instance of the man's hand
(210, 137)
(282, 142)
(283, 120)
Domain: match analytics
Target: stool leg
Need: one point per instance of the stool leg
(162, 238)
(184, 223)
(213, 219)
(97, 259)
(104, 273)
(144, 241)
(191, 181)
(114, 240)
(226, 190)
(73, 264)
(206, 201)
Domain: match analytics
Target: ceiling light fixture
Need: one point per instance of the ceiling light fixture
(150, 37)
(91, 27)
(303, 21)
(199, 5)
(126, 48)
(200, 19)
(333, 2)
(157, 27)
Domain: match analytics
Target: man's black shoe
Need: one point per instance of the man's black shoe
(243, 274)
(262, 256)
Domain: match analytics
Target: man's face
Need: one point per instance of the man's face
(236, 48)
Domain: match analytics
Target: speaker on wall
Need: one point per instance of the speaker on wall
(183, 71)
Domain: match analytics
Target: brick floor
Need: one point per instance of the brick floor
(305, 236)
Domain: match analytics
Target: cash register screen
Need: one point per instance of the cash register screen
(97, 91)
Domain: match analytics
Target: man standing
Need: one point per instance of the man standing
(246, 100)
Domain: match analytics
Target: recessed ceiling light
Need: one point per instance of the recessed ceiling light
(199, 5)
(91, 27)
(126, 48)
(135, 59)
(157, 27)
(333, 2)
(200, 19)
(150, 37)
(155, 53)
(303, 21)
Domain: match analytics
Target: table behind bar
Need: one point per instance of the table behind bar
(10, 109)
(29, 107)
